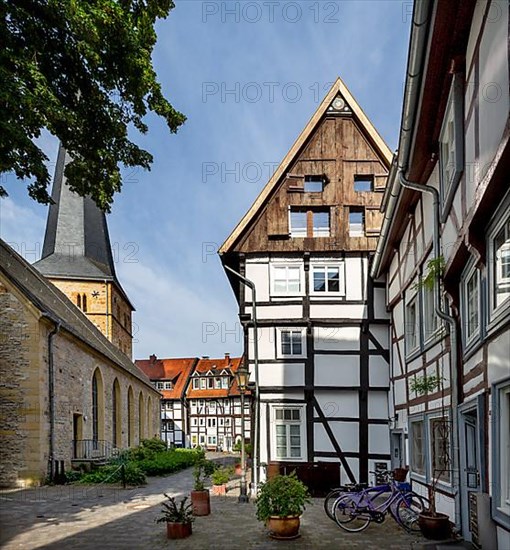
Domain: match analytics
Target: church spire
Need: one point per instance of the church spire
(77, 258)
(76, 243)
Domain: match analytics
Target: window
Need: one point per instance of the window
(440, 449)
(160, 385)
(224, 382)
(194, 421)
(290, 342)
(314, 184)
(502, 267)
(417, 444)
(471, 303)
(211, 422)
(168, 385)
(200, 403)
(202, 383)
(430, 320)
(196, 383)
(211, 440)
(78, 300)
(212, 405)
(356, 222)
(210, 383)
(328, 279)
(220, 422)
(451, 144)
(298, 223)
(217, 383)
(287, 433)
(363, 184)
(286, 279)
(202, 439)
(309, 223)
(226, 403)
(411, 325)
(84, 302)
(501, 453)
(202, 421)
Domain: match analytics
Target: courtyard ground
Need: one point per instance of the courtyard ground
(70, 517)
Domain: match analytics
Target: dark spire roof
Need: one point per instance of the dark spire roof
(76, 243)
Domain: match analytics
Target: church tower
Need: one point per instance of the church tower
(77, 258)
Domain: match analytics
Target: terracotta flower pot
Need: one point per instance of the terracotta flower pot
(201, 502)
(219, 490)
(178, 530)
(283, 528)
(238, 470)
(436, 527)
(400, 474)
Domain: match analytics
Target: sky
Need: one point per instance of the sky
(248, 75)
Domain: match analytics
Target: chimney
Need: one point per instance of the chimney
(153, 359)
(227, 357)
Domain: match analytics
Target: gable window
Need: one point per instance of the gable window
(363, 184)
(224, 382)
(328, 279)
(451, 144)
(286, 280)
(356, 222)
(210, 383)
(411, 325)
(314, 184)
(203, 383)
(217, 383)
(196, 383)
(168, 385)
(288, 436)
(290, 342)
(309, 223)
(160, 385)
(417, 444)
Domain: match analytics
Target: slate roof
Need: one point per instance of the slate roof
(48, 299)
(176, 370)
(76, 243)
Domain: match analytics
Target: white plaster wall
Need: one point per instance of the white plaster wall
(278, 312)
(336, 338)
(381, 334)
(282, 374)
(266, 342)
(380, 304)
(336, 370)
(378, 439)
(379, 371)
(258, 272)
(499, 358)
(354, 282)
(377, 404)
(338, 403)
(337, 311)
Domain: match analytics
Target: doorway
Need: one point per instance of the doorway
(472, 456)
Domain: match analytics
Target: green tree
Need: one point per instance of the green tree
(81, 69)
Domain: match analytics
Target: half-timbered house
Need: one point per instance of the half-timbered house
(170, 377)
(322, 327)
(214, 405)
(445, 248)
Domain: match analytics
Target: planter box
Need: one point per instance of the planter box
(201, 502)
(178, 530)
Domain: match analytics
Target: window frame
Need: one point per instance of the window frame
(272, 277)
(309, 231)
(196, 383)
(325, 266)
(471, 339)
(500, 513)
(279, 422)
(279, 350)
(356, 210)
(364, 177)
(414, 298)
(454, 115)
(418, 420)
(311, 178)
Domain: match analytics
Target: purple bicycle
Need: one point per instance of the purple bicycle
(354, 511)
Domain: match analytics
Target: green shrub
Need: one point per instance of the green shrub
(167, 462)
(112, 473)
(282, 496)
(220, 476)
(73, 475)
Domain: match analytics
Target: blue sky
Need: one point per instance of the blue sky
(248, 75)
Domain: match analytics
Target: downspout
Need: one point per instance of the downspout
(51, 394)
(436, 252)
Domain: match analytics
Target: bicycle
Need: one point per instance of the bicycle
(334, 494)
(353, 512)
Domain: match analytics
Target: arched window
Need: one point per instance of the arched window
(84, 302)
(97, 406)
(149, 417)
(116, 415)
(141, 418)
(131, 417)
(78, 300)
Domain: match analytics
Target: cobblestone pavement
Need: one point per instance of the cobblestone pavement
(72, 517)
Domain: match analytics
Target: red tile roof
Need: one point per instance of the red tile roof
(176, 370)
(231, 364)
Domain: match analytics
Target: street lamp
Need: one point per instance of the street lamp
(242, 376)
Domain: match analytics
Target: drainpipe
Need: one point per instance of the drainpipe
(436, 252)
(51, 393)
(256, 450)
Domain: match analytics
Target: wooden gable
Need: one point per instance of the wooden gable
(341, 147)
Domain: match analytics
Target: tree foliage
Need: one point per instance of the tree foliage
(83, 70)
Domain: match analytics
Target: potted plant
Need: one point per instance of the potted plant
(280, 503)
(178, 518)
(220, 478)
(200, 497)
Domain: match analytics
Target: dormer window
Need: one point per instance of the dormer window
(314, 184)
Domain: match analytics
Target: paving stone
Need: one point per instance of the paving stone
(77, 517)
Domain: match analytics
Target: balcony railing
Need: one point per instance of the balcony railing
(96, 450)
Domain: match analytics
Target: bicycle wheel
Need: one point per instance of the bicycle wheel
(408, 509)
(329, 502)
(349, 517)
